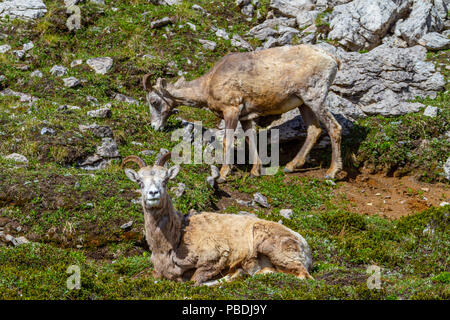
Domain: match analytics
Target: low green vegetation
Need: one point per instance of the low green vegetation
(74, 217)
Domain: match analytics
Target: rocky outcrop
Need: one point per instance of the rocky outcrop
(383, 80)
(22, 9)
(380, 82)
(424, 18)
(361, 24)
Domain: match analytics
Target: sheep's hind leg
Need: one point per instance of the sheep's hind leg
(227, 278)
(315, 98)
(284, 255)
(314, 132)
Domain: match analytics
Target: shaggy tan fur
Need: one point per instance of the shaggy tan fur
(209, 245)
(246, 86)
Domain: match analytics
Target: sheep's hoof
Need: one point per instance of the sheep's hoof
(287, 170)
(328, 177)
(254, 175)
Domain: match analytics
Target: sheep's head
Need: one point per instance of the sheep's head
(151, 179)
(160, 102)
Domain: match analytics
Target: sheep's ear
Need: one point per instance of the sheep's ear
(160, 84)
(132, 175)
(173, 171)
(179, 82)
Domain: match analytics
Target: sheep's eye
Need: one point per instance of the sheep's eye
(141, 184)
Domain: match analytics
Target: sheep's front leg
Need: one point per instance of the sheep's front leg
(231, 117)
(208, 270)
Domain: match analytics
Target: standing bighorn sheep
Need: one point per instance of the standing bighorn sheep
(246, 86)
(204, 246)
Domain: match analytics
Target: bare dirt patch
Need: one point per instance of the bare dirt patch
(390, 197)
(365, 193)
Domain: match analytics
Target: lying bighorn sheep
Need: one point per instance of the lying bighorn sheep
(206, 245)
(246, 86)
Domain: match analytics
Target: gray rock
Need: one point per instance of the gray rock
(36, 74)
(69, 3)
(179, 189)
(244, 203)
(248, 10)
(28, 46)
(123, 98)
(108, 149)
(292, 8)
(238, 42)
(361, 24)
(23, 96)
(16, 241)
(100, 113)
(126, 225)
(441, 7)
(423, 19)
(20, 54)
(5, 48)
(166, 2)
(242, 3)
(22, 9)
(47, 131)
(17, 157)
(160, 23)
(382, 81)
(434, 41)
(100, 65)
(95, 158)
(99, 2)
(147, 152)
(447, 168)
(198, 8)
(222, 34)
(58, 71)
(71, 82)
(261, 200)
(75, 63)
(270, 27)
(96, 130)
(307, 18)
(208, 44)
(431, 111)
(286, 213)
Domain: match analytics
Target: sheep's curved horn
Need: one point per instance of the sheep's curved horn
(135, 159)
(147, 82)
(163, 159)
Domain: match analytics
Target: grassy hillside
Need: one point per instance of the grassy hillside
(73, 216)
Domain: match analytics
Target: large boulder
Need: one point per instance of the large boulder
(361, 24)
(22, 9)
(380, 82)
(434, 41)
(424, 18)
(383, 80)
(303, 10)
